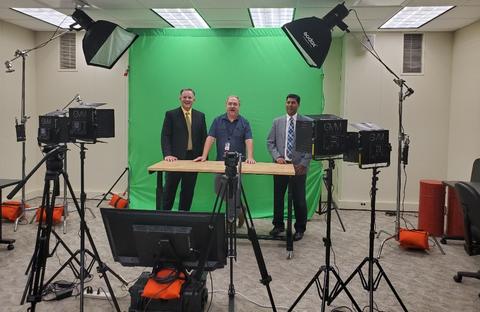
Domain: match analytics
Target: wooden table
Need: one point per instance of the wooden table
(219, 167)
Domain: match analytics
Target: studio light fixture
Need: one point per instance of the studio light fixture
(270, 17)
(182, 18)
(312, 36)
(104, 42)
(48, 15)
(415, 17)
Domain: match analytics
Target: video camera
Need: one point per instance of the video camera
(84, 123)
(326, 135)
(231, 162)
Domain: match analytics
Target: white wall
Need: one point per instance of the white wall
(369, 94)
(12, 38)
(55, 88)
(356, 87)
(464, 142)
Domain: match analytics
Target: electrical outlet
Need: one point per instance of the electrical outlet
(97, 294)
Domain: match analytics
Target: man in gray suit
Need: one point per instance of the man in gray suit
(281, 145)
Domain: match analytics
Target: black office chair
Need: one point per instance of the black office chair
(475, 177)
(469, 196)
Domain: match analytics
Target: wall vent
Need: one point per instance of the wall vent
(68, 54)
(413, 53)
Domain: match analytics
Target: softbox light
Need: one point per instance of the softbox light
(312, 36)
(104, 42)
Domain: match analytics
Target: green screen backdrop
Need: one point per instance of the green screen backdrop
(260, 66)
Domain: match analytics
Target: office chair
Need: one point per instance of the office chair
(469, 196)
(475, 171)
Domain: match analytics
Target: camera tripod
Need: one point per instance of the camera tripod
(231, 192)
(35, 284)
(323, 208)
(324, 293)
(371, 284)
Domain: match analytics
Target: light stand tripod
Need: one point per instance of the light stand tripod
(322, 205)
(402, 148)
(102, 267)
(372, 283)
(231, 192)
(323, 290)
(115, 183)
(35, 285)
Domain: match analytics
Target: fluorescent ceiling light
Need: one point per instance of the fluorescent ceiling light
(182, 18)
(415, 17)
(50, 16)
(270, 17)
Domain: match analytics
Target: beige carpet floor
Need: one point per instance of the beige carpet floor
(423, 279)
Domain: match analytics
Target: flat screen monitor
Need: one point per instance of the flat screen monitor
(147, 237)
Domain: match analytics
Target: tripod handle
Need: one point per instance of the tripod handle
(29, 175)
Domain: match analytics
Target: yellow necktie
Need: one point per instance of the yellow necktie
(189, 129)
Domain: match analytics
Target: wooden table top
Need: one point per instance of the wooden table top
(219, 167)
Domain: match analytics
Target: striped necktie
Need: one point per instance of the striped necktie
(290, 137)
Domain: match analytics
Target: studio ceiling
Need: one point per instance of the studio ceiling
(234, 13)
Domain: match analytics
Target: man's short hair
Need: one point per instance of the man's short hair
(187, 89)
(233, 96)
(294, 96)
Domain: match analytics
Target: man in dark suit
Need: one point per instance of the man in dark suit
(281, 145)
(183, 135)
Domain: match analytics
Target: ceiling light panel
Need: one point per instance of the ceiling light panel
(182, 18)
(47, 15)
(271, 17)
(415, 17)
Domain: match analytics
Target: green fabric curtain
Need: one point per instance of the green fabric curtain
(260, 66)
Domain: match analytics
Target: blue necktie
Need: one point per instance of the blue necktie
(290, 138)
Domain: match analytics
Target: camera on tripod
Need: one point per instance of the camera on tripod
(326, 136)
(231, 163)
(84, 123)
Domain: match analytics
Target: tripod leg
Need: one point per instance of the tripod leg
(438, 245)
(111, 188)
(102, 268)
(382, 272)
(313, 280)
(382, 244)
(289, 219)
(338, 215)
(252, 236)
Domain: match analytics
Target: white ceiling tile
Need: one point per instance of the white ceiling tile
(32, 24)
(446, 25)
(360, 3)
(224, 14)
(270, 3)
(66, 4)
(146, 24)
(463, 12)
(322, 3)
(374, 12)
(116, 4)
(218, 4)
(133, 14)
(231, 24)
(155, 4)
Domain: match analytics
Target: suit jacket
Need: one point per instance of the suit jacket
(175, 133)
(276, 142)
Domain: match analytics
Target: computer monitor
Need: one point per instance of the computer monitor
(147, 237)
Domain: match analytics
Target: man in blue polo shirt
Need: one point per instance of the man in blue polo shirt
(232, 133)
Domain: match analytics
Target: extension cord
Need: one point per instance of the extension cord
(97, 294)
